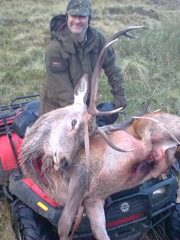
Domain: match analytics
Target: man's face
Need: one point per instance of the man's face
(77, 24)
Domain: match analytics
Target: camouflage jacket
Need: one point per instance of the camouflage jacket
(66, 61)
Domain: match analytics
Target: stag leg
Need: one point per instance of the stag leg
(95, 212)
(76, 192)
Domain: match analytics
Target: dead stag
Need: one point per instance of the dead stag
(55, 145)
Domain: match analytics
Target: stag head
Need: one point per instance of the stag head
(58, 135)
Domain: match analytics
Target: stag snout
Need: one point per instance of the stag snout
(60, 162)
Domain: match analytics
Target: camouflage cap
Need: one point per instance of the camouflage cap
(79, 8)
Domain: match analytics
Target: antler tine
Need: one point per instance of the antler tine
(92, 110)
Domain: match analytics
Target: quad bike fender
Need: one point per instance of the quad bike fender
(29, 193)
(8, 161)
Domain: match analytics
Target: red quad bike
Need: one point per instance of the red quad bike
(147, 211)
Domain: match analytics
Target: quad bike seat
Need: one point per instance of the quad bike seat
(26, 118)
(33, 107)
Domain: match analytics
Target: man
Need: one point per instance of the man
(73, 51)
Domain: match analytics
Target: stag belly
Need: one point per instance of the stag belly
(126, 170)
(119, 170)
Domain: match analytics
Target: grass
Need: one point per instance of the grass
(6, 232)
(148, 63)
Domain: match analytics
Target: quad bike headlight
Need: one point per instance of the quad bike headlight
(159, 192)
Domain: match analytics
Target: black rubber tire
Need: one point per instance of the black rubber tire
(28, 225)
(173, 224)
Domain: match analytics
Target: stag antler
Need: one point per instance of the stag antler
(92, 110)
(125, 123)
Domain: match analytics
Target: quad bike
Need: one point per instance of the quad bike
(148, 211)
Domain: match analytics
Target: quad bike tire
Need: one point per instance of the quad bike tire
(173, 224)
(28, 225)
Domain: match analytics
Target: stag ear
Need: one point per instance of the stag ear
(81, 90)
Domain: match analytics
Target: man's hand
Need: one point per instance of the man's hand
(120, 101)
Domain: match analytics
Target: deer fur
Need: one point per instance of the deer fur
(57, 145)
(54, 157)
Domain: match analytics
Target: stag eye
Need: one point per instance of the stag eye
(73, 123)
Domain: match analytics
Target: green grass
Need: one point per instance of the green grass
(150, 62)
(6, 232)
